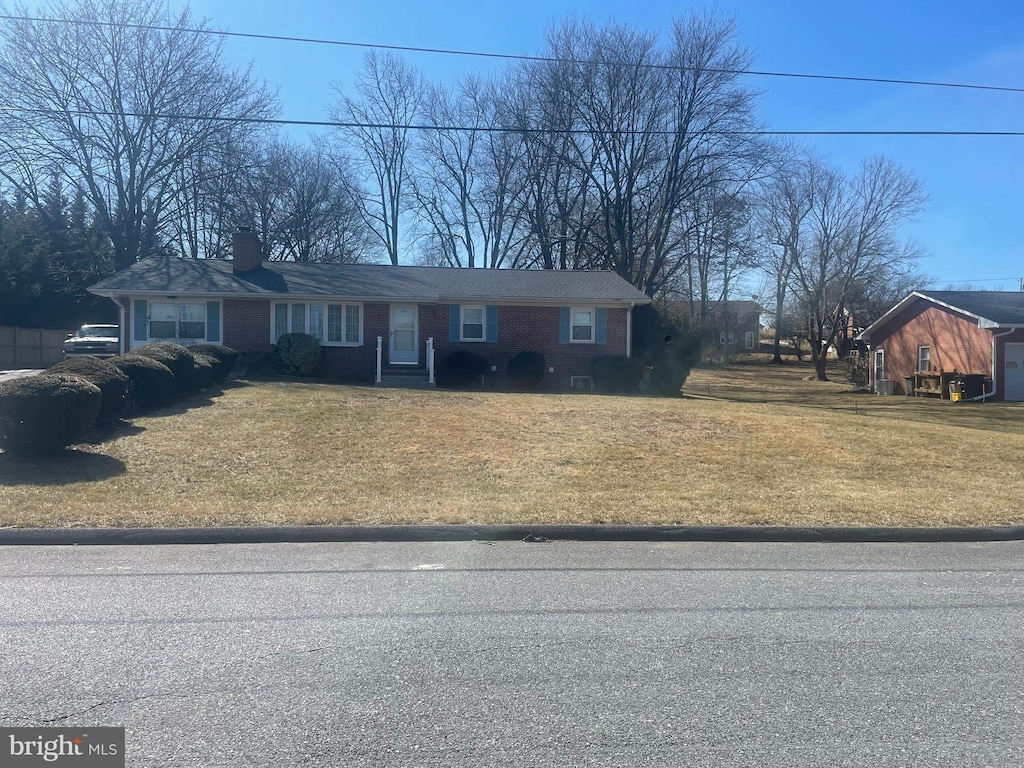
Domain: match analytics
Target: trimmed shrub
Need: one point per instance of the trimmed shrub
(460, 369)
(297, 354)
(42, 414)
(176, 357)
(526, 370)
(202, 371)
(114, 385)
(670, 347)
(616, 373)
(224, 358)
(152, 381)
(256, 364)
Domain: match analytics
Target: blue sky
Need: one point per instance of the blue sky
(971, 229)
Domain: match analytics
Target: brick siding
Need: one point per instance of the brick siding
(247, 324)
(956, 341)
(520, 328)
(528, 328)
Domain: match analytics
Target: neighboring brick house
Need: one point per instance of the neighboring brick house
(728, 328)
(938, 334)
(569, 316)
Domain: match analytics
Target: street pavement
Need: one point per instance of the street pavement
(513, 654)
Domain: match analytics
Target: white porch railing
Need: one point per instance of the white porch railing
(380, 355)
(430, 360)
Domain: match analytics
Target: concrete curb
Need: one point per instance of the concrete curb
(536, 533)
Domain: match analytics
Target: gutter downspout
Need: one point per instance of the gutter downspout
(995, 387)
(629, 330)
(124, 326)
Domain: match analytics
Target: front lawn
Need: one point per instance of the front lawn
(749, 444)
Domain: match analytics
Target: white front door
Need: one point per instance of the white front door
(404, 346)
(1013, 372)
(879, 367)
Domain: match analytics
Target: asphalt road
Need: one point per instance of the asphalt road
(513, 654)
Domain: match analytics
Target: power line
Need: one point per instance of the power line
(480, 129)
(509, 56)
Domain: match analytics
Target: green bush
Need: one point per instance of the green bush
(297, 354)
(256, 364)
(114, 385)
(461, 368)
(670, 347)
(224, 359)
(42, 414)
(616, 373)
(177, 358)
(152, 381)
(202, 371)
(526, 370)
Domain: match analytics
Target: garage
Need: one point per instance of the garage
(1013, 366)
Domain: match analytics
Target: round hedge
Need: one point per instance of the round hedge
(460, 369)
(297, 354)
(152, 381)
(224, 358)
(526, 370)
(202, 371)
(42, 414)
(176, 357)
(114, 385)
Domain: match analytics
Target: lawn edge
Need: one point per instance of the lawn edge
(528, 533)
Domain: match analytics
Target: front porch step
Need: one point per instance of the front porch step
(409, 378)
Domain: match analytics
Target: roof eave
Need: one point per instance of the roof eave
(983, 322)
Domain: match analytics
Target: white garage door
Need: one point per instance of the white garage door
(1013, 365)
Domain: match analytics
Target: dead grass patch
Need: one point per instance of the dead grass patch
(750, 444)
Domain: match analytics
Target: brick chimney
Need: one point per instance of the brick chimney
(246, 251)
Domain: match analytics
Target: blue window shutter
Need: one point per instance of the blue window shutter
(563, 325)
(141, 321)
(213, 321)
(492, 322)
(601, 326)
(454, 312)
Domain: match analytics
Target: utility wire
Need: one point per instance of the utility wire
(480, 129)
(509, 56)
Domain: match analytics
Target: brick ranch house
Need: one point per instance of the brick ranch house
(929, 336)
(363, 313)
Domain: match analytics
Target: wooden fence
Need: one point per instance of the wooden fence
(30, 347)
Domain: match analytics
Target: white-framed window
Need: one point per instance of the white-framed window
(581, 330)
(177, 320)
(335, 325)
(749, 340)
(472, 323)
(924, 358)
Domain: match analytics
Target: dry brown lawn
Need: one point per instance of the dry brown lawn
(748, 444)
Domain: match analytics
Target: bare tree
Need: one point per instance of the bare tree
(468, 181)
(116, 95)
(849, 238)
(297, 199)
(321, 221)
(785, 202)
(628, 136)
(387, 100)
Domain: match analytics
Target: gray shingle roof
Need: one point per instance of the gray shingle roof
(992, 309)
(999, 307)
(171, 275)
